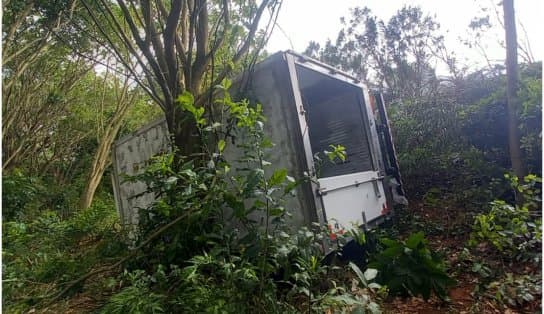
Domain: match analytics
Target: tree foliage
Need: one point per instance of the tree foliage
(176, 45)
(395, 55)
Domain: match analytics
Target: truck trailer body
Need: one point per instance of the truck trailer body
(308, 106)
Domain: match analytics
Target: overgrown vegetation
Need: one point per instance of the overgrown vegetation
(409, 267)
(219, 239)
(45, 250)
(232, 251)
(511, 234)
(452, 141)
(514, 231)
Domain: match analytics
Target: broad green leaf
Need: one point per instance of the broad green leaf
(278, 177)
(186, 99)
(358, 272)
(276, 211)
(221, 145)
(389, 243)
(374, 285)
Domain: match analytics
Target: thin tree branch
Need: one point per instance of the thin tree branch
(145, 48)
(151, 89)
(243, 49)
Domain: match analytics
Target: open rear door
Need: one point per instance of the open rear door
(350, 193)
(387, 148)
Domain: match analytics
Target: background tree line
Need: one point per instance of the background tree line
(450, 130)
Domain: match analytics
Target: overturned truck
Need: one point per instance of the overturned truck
(309, 106)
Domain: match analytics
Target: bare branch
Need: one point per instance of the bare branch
(243, 49)
(150, 88)
(153, 36)
(145, 48)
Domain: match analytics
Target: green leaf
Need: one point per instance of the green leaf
(414, 240)
(393, 252)
(267, 143)
(186, 99)
(226, 83)
(338, 151)
(221, 145)
(374, 285)
(277, 211)
(252, 181)
(278, 177)
(344, 299)
(389, 243)
(358, 272)
(290, 186)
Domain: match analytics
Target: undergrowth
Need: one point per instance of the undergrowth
(218, 239)
(234, 250)
(47, 250)
(505, 247)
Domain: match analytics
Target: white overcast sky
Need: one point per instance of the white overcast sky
(306, 20)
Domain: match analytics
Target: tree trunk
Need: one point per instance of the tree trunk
(186, 141)
(100, 162)
(512, 89)
(180, 60)
(101, 157)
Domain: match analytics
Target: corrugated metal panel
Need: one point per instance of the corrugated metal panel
(333, 110)
(131, 155)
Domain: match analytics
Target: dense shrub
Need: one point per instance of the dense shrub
(457, 143)
(409, 267)
(18, 191)
(136, 298)
(515, 290)
(46, 249)
(515, 231)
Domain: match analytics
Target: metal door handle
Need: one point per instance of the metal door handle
(356, 183)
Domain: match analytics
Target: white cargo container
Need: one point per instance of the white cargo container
(308, 106)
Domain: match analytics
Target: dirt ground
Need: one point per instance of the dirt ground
(463, 298)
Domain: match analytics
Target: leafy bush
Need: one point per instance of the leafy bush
(48, 249)
(136, 298)
(214, 283)
(516, 290)
(515, 231)
(409, 267)
(18, 190)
